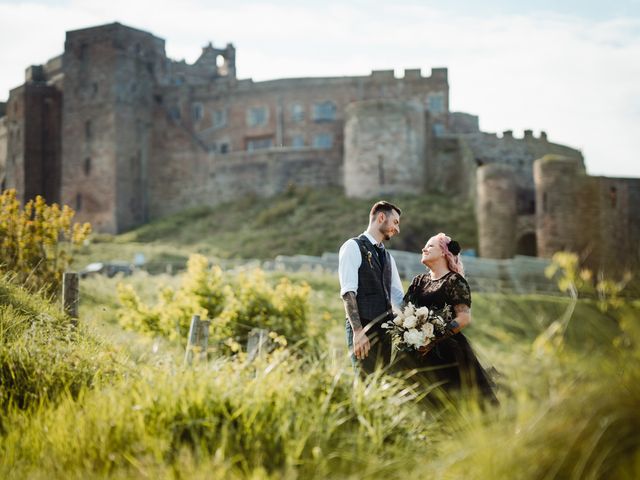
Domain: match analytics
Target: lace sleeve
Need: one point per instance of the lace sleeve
(409, 296)
(457, 291)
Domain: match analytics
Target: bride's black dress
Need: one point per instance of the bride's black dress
(451, 362)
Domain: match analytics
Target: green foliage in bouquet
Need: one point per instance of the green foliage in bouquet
(36, 241)
(235, 303)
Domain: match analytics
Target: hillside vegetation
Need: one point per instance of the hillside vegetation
(300, 221)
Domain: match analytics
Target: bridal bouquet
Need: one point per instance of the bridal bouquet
(413, 328)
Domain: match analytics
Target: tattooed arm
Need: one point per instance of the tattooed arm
(361, 344)
(462, 318)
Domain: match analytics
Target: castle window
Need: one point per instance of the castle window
(435, 103)
(82, 52)
(87, 166)
(174, 113)
(197, 112)
(323, 140)
(257, 116)
(613, 196)
(438, 129)
(297, 141)
(297, 112)
(224, 148)
(220, 61)
(545, 203)
(324, 111)
(219, 118)
(259, 143)
(88, 130)
(78, 202)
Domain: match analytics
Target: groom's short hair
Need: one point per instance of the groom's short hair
(383, 206)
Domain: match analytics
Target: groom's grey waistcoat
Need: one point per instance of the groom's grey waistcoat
(374, 282)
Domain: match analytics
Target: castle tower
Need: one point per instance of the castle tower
(559, 211)
(32, 137)
(384, 148)
(110, 73)
(496, 210)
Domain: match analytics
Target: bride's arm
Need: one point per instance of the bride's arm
(462, 318)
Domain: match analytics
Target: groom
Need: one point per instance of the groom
(369, 284)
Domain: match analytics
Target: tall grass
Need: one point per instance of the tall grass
(568, 409)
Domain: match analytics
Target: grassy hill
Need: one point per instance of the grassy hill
(300, 221)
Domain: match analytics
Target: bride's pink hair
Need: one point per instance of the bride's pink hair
(453, 261)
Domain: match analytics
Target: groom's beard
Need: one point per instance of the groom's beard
(386, 232)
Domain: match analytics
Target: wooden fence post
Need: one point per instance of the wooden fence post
(70, 295)
(198, 338)
(192, 340)
(258, 343)
(204, 339)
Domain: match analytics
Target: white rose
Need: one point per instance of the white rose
(414, 337)
(422, 312)
(409, 309)
(410, 321)
(398, 321)
(427, 329)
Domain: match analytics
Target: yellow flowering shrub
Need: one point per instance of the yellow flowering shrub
(36, 241)
(234, 303)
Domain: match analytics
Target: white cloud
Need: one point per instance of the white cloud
(577, 79)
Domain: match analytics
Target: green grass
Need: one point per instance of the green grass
(301, 221)
(125, 407)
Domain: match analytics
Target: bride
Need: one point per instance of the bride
(449, 360)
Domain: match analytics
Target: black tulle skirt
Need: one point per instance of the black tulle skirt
(452, 364)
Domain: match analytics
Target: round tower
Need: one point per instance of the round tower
(384, 148)
(496, 210)
(558, 224)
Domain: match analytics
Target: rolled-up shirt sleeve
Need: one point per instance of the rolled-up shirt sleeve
(397, 294)
(349, 261)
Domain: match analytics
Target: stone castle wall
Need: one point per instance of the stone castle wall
(385, 148)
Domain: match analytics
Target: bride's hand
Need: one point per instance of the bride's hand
(425, 348)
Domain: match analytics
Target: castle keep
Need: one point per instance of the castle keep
(123, 134)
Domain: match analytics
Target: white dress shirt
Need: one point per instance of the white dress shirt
(349, 261)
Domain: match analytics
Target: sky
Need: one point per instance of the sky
(571, 69)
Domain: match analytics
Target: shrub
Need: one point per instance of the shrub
(235, 303)
(36, 241)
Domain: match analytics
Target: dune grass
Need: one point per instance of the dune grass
(569, 390)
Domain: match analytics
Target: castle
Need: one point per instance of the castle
(124, 135)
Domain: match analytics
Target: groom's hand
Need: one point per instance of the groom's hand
(361, 345)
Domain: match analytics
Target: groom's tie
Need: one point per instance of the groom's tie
(381, 254)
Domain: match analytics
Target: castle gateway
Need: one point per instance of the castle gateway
(124, 135)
